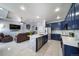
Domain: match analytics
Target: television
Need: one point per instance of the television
(15, 27)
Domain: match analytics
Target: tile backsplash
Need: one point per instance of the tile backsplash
(66, 32)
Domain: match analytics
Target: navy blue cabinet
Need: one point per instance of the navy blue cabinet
(53, 26)
(70, 51)
(48, 25)
(77, 16)
(77, 11)
(72, 18)
(56, 37)
(40, 41)
(62, 25)
(56, 26)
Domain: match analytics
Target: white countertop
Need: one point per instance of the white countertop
(70, 41)
(36, 35)
(32, 41)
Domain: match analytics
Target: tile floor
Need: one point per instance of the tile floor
(51, 48)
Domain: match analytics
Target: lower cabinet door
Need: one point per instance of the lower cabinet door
(40, 41)
(56, 37)
(70, 51)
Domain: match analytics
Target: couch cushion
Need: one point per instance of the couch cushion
(1, 35)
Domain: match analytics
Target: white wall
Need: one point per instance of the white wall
(41, 27)
(7, 31)
(12, 18)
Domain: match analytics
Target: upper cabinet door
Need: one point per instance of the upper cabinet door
(48, 25)
(73, 12)
(73, 17)
(77, 11)
(77, 16)
(56, 26)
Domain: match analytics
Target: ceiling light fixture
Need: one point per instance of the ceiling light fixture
(57, 9)
(58, 17)
(1, 8)
(9, 49)
(22, 7)
(37, 17)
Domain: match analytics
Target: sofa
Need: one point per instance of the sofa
(5, 38)
(1, 36)
(21, 37)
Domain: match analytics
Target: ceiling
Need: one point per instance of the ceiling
(43, 10)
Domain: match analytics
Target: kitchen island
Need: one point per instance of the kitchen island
(37, 41)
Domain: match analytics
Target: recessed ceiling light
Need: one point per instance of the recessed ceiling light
(22, 7)
(9, 49)
(58, 17)
(37, 17)
(57, 9)
(1, 8)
